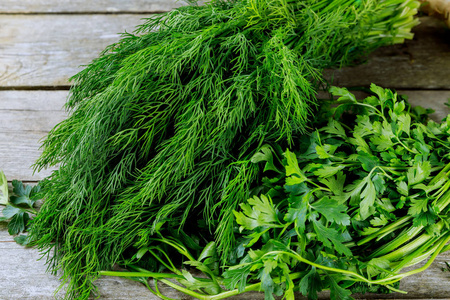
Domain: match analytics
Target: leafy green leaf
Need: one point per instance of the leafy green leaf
(265, 154)
(417, 206)
(22, 240)
(343, 93)
(258, 211)
(332, 211)
(298, 209)
(330, 238)
(9, 211)
(328, 170)
(311, 284)
(418, 172)
(337, 292)
(402, 188)
(334, 183)
(236, 276)
(334, 127)
(368, 196)
(24, 194)
(18, 223)
(368, 162)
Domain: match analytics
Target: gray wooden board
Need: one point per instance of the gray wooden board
(45, 50)
(421, 63)
(86, 6)
(26, 117)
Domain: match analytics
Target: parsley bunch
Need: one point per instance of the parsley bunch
(363, 196)
(366, 195)
(163, 125)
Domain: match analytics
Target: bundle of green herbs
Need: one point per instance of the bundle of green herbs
(164, 124)
(364, 195)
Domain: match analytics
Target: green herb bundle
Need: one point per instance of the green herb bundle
(365, 195)
(163, 125)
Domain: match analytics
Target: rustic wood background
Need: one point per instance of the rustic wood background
(43, 43)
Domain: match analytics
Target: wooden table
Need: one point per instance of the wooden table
(43, 43)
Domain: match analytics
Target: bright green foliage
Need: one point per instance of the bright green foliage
(19, 207)
(164, 124)
(369, 213)
(307, 233)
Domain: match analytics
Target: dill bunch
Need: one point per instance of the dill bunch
(163, 125)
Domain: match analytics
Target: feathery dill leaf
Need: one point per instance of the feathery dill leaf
(163, 125)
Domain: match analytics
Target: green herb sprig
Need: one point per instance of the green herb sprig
(19, 207)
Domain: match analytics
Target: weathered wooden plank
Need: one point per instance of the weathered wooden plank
(26, 117)
(87, 6)
(45, 50)
(423, 62)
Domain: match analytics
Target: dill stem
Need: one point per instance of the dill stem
(139, 274)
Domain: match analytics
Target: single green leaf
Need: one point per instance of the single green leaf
(334, 183)
(18, 223)
(418, 172)
(417, 206)
(258, 211)
(236, 276)
(335, 128)
(10, 211)
(382, 142)
(404, 121)
(368, 162)
(328, 170)
(426, 218)
(377, 266)
(332, 211)
(379, 221)
(368, 196)
(343, 93)
(311, 284)
(402, 188)
(364, 127)
(330, 238)
(337, 292)
(265, 154)
(22, 239)
(360, 143)
(298, 210)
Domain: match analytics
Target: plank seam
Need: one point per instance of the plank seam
(153, 12)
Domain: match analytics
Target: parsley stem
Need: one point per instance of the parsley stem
(386, 230)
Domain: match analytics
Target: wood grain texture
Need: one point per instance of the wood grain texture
(45, 50)
(421, 63)
(26, 117)
(87, 6)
